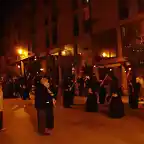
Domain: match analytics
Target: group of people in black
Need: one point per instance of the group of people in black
(96, 94)
(46, 94)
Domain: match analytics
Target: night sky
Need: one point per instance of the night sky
(7, 7)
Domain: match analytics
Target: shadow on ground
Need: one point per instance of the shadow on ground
(33, 116)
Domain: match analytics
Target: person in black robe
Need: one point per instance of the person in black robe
(135, 95)
(81, 86)
(102, 94)
(67, 93)
(91, 103)
(116, 106)
(72, 90)
(44, 103)
(131, 92)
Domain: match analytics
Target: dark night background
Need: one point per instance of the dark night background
(7, 7)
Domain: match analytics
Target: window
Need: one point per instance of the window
(54, 3)
(123, 9)
(47, 39)
(46, 22)
(54, 34)
(74, 4)
(33, 6)
(32, 29)
(86, 19)
(33, 43)
(46, 2)
(123, 13)
(76, 25)
(87, 26)
(54, 17)
(140, 5)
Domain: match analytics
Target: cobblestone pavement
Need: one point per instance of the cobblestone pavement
(72, 126)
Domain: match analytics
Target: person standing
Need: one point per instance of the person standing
(50, 104)
(116, 106)
(67, 94)
(131, 92)
(102, 94)
(92, 97)
(44, 103)
(81, 86)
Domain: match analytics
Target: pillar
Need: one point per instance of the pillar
(119, 42)
(76, 60)
(59, 95)
(22, 68)
(124, 80)
(44, 65)
(60, 69)
(120, 57)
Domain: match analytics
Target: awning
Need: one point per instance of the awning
(114, 62)
(109, 65)
(55, 50)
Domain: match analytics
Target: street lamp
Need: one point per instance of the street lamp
(104, 54)
(22, 55)
(20, 51)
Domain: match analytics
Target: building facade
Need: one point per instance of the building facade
(93, 27)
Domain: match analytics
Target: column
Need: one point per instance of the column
(59, 95)
(120, 57)
(119, 42)
(22, 68)
(77, 69)
(124, 80)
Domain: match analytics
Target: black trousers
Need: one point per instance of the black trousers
(41, 120)
(1, 120)
(45, 118)
(49, 117)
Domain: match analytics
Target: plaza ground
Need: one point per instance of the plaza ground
(72, 126)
